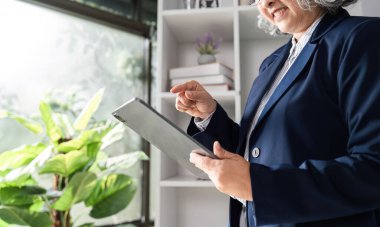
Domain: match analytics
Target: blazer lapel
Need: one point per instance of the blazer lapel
(327, 23)
(289, 78)
(259, 87)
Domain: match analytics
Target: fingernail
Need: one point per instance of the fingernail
(191, 157)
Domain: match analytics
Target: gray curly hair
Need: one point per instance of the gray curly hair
(330, 5)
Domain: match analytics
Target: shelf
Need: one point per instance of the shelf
(186, 181)
(187, 25)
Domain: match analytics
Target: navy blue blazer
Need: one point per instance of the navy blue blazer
(318, 137)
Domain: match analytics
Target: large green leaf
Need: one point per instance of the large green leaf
(100, 157)
(86, 137)
(104, 127)
(3, 224)
(52, 130)
(113, 135)
(85, 225)
(22, 176)
(78, 189)
(65, 124)
(114, 203)
(17, 196)
(20, 156)
(123, 161)
(86, 114)
(37, 206)
(112, 194)
(65, 164)
(12, 215)
(33, 126)
(92, 150)
(17, 181)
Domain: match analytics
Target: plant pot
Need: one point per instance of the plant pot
(206, 59)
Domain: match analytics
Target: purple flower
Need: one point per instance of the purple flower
(208, 44)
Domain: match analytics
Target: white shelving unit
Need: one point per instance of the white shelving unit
(184, 201)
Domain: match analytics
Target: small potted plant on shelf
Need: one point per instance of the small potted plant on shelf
(72, 154)
(207, 46)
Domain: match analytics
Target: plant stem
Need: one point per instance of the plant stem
(67, 220)
(47, 202)
(57, 219)
(57, 222)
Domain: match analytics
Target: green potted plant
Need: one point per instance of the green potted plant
(73, 154)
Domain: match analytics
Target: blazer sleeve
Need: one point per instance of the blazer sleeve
(221, 128)
(325, 189)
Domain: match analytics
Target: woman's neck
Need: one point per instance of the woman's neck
(320, 12)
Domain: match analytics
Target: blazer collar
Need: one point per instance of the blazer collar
(327, 23)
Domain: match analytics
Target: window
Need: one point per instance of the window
(43, 50)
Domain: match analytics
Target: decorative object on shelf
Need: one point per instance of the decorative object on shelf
(207, 46)
(206, 59)
(189, 4)
(72, 154)
(209, 3)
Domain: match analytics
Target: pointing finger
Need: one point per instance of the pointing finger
(185, 101)
(196, 95)
(190, 85)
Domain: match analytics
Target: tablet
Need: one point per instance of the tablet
(162, 133)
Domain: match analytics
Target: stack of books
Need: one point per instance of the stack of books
(213, 76)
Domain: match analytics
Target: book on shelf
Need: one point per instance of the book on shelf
(205, 80)
(201, 70)
(217, 87)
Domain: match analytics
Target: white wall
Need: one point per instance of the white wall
(371, 8)
(365, 8)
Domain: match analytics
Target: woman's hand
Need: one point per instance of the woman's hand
(230, 173)
(193, 99)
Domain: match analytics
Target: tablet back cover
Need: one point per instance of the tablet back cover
(162, 133)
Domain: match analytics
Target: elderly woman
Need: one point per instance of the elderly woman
(307, 150)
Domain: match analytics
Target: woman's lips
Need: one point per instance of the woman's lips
(278, 13)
